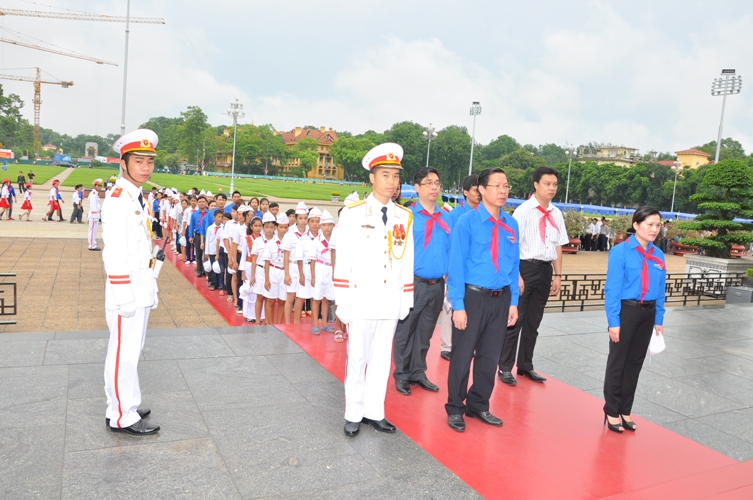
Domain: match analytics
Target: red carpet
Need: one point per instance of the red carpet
(552, 445)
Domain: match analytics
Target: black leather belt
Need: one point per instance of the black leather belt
(429, 282)
(537, 261)
(487, 291)
(646, 304)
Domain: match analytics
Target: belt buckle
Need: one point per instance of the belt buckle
(495, 293)
(152, 261)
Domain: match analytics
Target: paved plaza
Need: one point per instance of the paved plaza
(246, 414)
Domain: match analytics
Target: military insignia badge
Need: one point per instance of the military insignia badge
(398, 234)
(116, 192)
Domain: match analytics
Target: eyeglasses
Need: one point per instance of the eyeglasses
(432, 184)
(499, 187)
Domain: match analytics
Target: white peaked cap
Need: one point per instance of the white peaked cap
(315, 212)
(141, 142)
(245, 290)
(202, 192)
(282, 219)
(209, 193)
(388, 154)
(351, 198)
(268, 217)
(327, 217)
(301, 208)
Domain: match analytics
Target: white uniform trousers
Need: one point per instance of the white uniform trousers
(369, 362)
(121, 376)
(445, 330)
(93, 223)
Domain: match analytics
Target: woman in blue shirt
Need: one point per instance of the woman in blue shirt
(635, 293)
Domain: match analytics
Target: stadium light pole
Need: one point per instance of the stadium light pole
(727, 84)
(475, 111)
(676, 167)
(429, 134)
(236, 110)
(570, 152)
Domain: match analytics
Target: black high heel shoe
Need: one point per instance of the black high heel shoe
(613, 427)
(628, 425)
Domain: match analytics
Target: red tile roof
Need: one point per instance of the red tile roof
(667, 163)
(323, 136)
(692, 151)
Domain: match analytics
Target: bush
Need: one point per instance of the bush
(575, 223)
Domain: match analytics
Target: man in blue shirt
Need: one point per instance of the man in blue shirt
(156, 226)
(472, 199)
(431, 234)
(195, 232)
(483, 289)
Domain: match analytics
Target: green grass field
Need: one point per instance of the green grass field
(85, 176)
(42, 173)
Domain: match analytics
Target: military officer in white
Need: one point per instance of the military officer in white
(373, 283)
(95, 213)
(131, 286)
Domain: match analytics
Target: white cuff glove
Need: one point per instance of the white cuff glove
(156, 301)
(127, 310)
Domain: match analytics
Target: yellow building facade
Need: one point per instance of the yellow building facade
(619, 155)
(693, 158)
(325, 167)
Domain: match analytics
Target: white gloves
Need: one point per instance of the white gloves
(127, 310)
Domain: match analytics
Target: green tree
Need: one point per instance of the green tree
(450, 154)
(349, 152)
(409, 135)
(191, 131)
(724, 195)
(167, 130)
(305, 150)
(730, 150)
(11, 121)
(499, 147)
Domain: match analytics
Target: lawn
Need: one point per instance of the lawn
(42, 173)
(86, 176)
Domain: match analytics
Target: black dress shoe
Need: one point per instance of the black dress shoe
(485, 417)
(456, 422)
(507, 378)
(403, 387)
(143, 413)
(95, 249)
(532, 375)
(445, 355)
(140, 428)
(380, 425)
(352, 428)
(426, 384)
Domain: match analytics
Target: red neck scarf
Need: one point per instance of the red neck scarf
(494, 247)
(432, 218)
(547, 216)
(644, 272)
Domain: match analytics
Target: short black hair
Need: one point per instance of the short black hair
(424, 173)
(236, 192)
(218, 212)
(221, 195)
(643, 213)
(78, 186)
(202, 197)
(469, 182)
(236, 207)
(154, 188)
(290, 211)
(195, 189)
(542, 171)
(226, 215)
(483, 177)
(263, 200)
(274, 204)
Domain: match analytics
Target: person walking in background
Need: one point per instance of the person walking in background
(634, 303)
(54, 201)
(604, 235)
(26, 206)
(77, 199)
(21, 182)
(11, 200)
(5, 199)
(95, 213)
(31, 177)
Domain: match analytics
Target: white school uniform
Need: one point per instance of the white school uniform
(257, 249)
(323, 288)
(273, 254)
(305, 291)
(213, 234)
(290, 243)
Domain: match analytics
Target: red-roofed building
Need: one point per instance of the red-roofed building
(667, 163)
(693, 158)
(325, 167)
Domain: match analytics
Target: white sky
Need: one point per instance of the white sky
(634, 73)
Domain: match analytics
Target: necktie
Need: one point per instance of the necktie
(384, 215)
(141, 200)
(644, 272)
(494, 247)
(432, 218)
(546, 216)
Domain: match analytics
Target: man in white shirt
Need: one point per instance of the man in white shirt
(95, 213)
(542, 234)
(77, 199)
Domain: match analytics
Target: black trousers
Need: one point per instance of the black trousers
(189, 251)
(537, 280)
(484, 334)
(199, 255)
(222, 276)
(214, 278)
(239, 281)
(77, 213)
(413, 334)
(603, 242)
(626, 358)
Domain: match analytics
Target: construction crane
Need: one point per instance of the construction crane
(55, 51)
(80, 17)
(37, 99)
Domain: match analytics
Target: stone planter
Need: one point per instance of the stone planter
(703, 265)
(337, 198)
(747, 281)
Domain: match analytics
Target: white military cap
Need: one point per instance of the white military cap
(268, 217)
(141, 142)
(315, 212)
(388, 154)
(327, 217)
(97, 181)
(351, 198)
(282, 219)
(301, 208)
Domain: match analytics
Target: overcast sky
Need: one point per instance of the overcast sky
(634, 73)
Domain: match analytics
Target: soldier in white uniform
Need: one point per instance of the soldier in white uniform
(131, 287)
(373, 282)
(95, 213)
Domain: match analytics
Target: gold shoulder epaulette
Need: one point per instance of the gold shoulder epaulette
(356, 203)
(404, 208)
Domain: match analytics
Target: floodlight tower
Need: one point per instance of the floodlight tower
(727, 84)
(475, 111)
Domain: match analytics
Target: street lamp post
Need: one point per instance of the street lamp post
(429, 134)
(727, 84)
(570, 152)
(676, 167)
(475, 111)
(236, 110)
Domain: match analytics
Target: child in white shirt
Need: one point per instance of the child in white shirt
(321, 275)
(274, 273)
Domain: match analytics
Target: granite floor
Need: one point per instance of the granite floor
(246, 414)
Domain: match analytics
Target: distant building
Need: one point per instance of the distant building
(325, 167)
(693, 158)
(619, 155)
(49, 147)
(667, 163)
